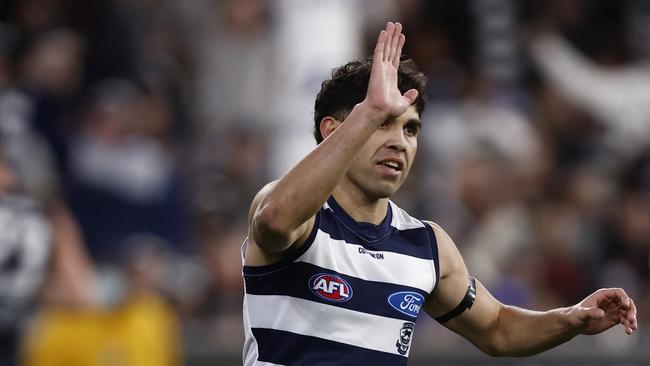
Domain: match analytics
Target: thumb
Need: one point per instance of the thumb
(411, 95)
(586, 314)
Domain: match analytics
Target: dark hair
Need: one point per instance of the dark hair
(348, 87)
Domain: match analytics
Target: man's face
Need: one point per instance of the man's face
(384, 162)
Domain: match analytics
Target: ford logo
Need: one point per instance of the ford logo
(330, 287)
(406, 302)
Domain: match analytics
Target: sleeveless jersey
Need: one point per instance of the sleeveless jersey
(350, 295)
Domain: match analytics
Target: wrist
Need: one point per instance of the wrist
(373, 115)
(569, 324)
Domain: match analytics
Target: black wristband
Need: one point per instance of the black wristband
(465, 304)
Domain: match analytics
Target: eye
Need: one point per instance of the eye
(411, 129)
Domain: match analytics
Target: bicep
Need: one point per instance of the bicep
(474, 323)
(477, 323)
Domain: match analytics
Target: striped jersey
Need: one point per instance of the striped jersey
(349, 295)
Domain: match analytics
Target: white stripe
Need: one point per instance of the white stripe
(250, 351)
(315, 319)
(395, 268)
(402, 220)
(262, 363)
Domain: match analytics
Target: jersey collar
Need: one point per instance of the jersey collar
(368, 232)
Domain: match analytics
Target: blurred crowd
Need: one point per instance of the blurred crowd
(134, 134)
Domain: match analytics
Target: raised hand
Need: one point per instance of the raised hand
(383, 94)
(604, 309)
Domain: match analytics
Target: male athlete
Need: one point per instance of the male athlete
(336, 274)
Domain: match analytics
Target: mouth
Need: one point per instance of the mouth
(392, 164)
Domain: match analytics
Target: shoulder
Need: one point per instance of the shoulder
(441, 234)
(453, 275)
(450, 258)
(261, 194)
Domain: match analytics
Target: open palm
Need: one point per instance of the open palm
(383, 93)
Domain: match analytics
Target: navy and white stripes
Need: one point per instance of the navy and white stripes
(350, 294)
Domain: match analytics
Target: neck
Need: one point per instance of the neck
(359, 206)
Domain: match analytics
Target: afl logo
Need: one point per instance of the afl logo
(330, 287)
(406, 302)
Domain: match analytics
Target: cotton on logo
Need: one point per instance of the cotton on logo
(330, 287)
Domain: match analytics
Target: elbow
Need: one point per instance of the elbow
(499, 344)
(493, 347)
(494, 340)
(493, 350)
(271, 228)
(500, 350)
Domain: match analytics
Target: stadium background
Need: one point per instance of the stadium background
(143, 129)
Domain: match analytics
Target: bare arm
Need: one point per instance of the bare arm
(73, 278)
(282, 213)
(502, 330)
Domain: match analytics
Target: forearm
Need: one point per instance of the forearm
(501, 330)
(518, 332)
(301, 192)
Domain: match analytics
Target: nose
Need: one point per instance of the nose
(396, 140)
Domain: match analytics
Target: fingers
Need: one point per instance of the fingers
(626, 307)
(632, 315)
(400, 44)
(629, 319)
(617, 295)
(379, 48)
(411, 95)
(626, 324)
(587, 314)
(390, 32)
(390, 43)
(395, 43)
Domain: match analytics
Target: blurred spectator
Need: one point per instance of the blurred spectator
(124, 179)
(138, 328)
(50, 77)
(619, 97)
(42, 254)
(234, 67)
(25, 246)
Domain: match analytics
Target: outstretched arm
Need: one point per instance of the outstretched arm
(282, 214)
(502, 330)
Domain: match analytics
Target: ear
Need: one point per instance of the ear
(327, 126)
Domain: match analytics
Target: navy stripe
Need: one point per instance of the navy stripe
(288, 348)
(289, 257)
(369, 233)
(433, 240)
(367, 296)
(412, 242)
